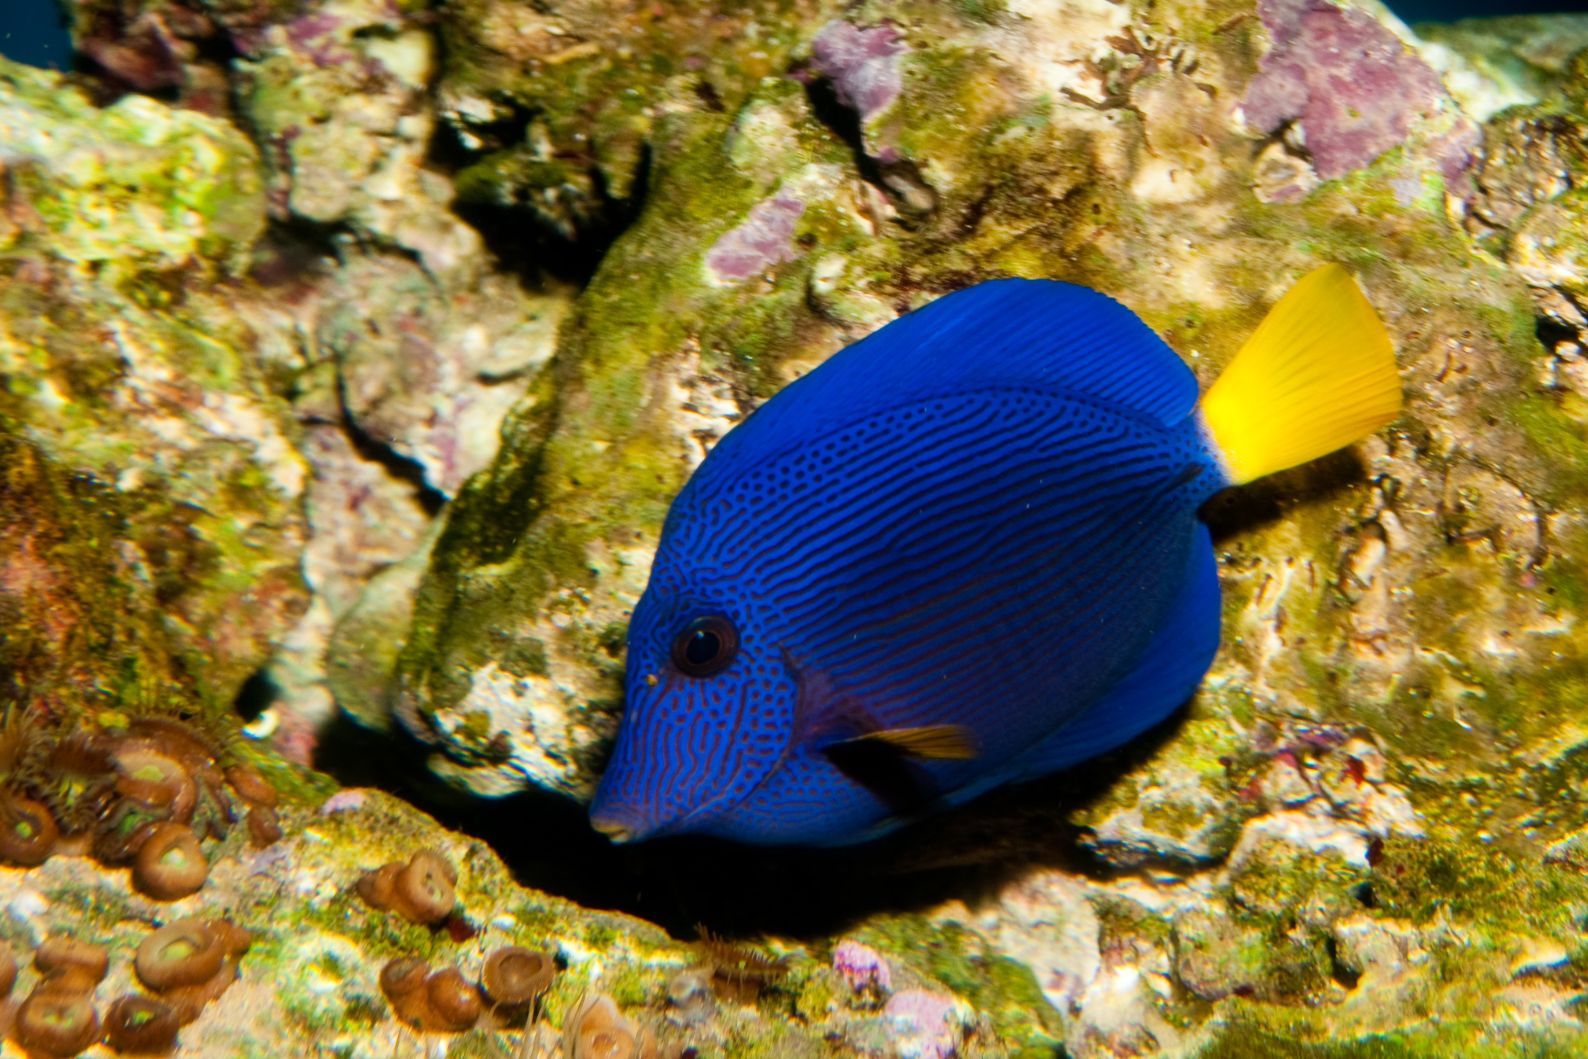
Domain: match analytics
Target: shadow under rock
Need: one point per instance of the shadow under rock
(733, 891)
(522, 239)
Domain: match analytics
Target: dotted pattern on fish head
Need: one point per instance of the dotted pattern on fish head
(709, 705)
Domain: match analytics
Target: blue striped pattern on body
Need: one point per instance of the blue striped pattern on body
(981, 518)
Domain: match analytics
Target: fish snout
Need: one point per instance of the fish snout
(618, 833)
(616, 826)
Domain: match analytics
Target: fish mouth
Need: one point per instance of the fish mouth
(623, 828)
(617, 827)
(619, 833)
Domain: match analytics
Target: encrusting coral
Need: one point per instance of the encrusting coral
(513, 978)
(422, 890)
(442, 1001)
(191, 962)
(403, 982)
(27, 831)
(595, 1029)
(141, 1025)
(130, 793)
(73, 964)
(145, 792)
(451, 1000)
(56, 1021)
(169, 863)
(57, 1018)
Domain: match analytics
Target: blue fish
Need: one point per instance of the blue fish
(962, 552)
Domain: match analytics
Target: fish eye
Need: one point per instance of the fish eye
(705, 646)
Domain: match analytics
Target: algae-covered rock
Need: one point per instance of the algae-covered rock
(316, 970)
(555, 104)
(152, 521)
(237, 350)
(1401, 649)
(135, 187)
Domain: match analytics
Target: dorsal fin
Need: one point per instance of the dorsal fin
(1040, 332)
(1002, 333)
(1015, 334)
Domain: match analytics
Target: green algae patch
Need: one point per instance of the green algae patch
(1498, 886)
(1004, 988)
(130, 190)
(152, 485)
(85, 628)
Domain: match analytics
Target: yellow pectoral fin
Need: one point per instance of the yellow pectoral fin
(1317, 374)
(936, 742)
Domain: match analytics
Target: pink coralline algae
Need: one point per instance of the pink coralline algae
(343, 802)
(862, 64)
(763, 240)
(862, 967)
(923, 1023)
(315, 35)
(1350, 84)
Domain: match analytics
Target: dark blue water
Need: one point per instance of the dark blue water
(1451, 10)
(34, 31)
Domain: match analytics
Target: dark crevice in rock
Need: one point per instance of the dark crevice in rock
(898, 178)
(219, 48)
(522, 239)
(1365, 896)
(1338, 970)
(395, 762)
(1551, 332)
(741, 891)
(449, 152)
(294, 249)
(843, 122)
(403, 468)
(258, 693)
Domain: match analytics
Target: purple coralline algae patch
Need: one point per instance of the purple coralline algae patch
(923, 1024)
(862, 64)
(861, 967)
(315, 36)
(763, 240)
(1351, 84)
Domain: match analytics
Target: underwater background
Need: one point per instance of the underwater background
(35, 31)
(353, 352)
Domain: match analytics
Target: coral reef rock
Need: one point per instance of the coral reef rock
(151, 520)
(352, 351)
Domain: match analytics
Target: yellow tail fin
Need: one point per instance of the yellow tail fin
(1316, 375)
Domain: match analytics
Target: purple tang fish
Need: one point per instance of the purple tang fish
(962, 552)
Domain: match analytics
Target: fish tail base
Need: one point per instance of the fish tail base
(1318, 374)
